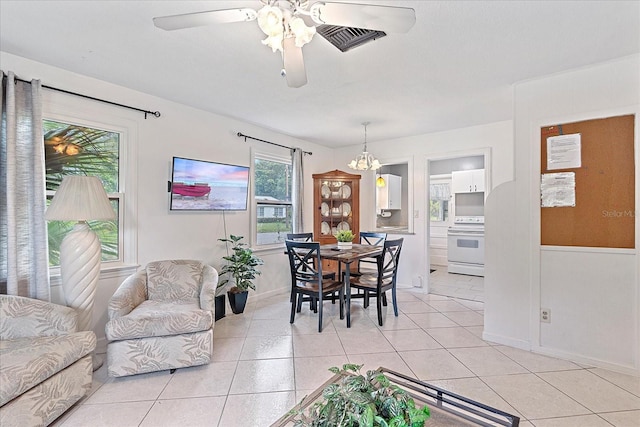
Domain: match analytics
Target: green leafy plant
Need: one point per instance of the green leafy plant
(344, 236)
(362, 401)
(241, 266)
(97, 155)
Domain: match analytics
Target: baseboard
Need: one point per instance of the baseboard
(587, 361)
(273, 292)
(559, 354)
(499, 339)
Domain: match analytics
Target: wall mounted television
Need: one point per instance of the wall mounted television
(199, 185)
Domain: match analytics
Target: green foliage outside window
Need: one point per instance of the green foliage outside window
(273, 184)
(273, 179)
(438, 210)
(78, 150)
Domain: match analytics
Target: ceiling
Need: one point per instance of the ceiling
(455, 68)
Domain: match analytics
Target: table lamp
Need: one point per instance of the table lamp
(80, 198)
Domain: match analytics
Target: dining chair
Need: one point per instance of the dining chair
(300, 237)
(308, 237)
(383, 280)
(368, 265)
(307, 279)
(370, 238)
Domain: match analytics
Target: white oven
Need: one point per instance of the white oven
(465, 249)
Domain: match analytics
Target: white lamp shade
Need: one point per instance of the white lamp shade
(80, 198)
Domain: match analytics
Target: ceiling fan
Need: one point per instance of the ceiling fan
(290, 24)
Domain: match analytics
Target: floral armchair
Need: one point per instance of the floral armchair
(162, 318)
(45, 363)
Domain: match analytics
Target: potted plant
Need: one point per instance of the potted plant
(241, 271)
(345, 239)
(358, 400)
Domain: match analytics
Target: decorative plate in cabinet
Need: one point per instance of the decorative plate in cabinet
(345, 191)
(346, 209)
(324, 209)
(324, 228)
(325, 191)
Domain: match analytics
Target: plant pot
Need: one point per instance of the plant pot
(237, 301)
(221, 307)
(345, 245)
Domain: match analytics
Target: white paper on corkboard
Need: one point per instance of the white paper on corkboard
(558, 190)
(564, 152)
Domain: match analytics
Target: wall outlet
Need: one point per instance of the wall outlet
(545, 315)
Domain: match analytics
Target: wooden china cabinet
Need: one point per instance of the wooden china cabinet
(336, 203)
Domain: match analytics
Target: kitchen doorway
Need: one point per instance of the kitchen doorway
(457, 187)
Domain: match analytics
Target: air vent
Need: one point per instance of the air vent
(345, 38)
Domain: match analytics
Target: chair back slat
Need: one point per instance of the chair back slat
(304, 262)
(300, 237)
(368, 238)
(388, 261)
(374, 239)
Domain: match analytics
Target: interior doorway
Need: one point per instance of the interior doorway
(455, 229)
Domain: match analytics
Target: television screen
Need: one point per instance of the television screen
(198, 185)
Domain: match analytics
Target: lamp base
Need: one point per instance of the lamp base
(80, 254)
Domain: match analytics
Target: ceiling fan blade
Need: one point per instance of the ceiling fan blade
(384, 18)
(293, 63)
(198, 19)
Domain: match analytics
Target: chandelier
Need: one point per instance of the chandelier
(279, 23)
(365, 160)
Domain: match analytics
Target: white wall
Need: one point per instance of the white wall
(518, 278)
(593, 294)
(180, 131)
(493, 138)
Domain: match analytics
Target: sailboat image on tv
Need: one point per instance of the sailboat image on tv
(200, 185)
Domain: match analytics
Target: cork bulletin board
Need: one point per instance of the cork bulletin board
(604, 211)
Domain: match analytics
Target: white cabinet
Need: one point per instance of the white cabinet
(469, 181)
(390, 196)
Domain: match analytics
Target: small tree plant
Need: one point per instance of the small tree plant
(240, 268)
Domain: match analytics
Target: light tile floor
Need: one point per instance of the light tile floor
(263, 365)
(456, 285)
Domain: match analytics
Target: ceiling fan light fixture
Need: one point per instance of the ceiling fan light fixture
(291, 24)
(270, 21)
(365, 160)
(301, 31)
(278, 23)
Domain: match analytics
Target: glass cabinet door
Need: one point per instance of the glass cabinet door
(336, 199)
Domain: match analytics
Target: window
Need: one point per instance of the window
(72, 149)
(272, 194)
(439, 202)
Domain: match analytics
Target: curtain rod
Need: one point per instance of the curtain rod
(241, 135)
(146, 112)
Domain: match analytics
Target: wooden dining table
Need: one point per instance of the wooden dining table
(347, 257)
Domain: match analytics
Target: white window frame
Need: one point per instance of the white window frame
(443, 179)
(77, 111)
(260, 155)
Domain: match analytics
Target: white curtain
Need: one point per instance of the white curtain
(440, 191)
(24, 260)
(297, 189)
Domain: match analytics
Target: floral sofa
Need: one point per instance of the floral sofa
(162, 317)
(45, 364)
